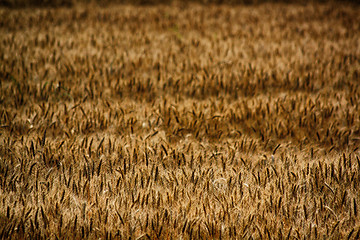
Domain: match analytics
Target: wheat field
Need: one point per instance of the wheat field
(180, 121)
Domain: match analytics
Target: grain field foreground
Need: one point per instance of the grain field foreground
(180, 122)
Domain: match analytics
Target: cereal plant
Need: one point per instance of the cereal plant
(179, 120)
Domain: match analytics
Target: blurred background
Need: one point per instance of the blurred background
(69, 3)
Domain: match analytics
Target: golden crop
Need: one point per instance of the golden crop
(180, 121)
